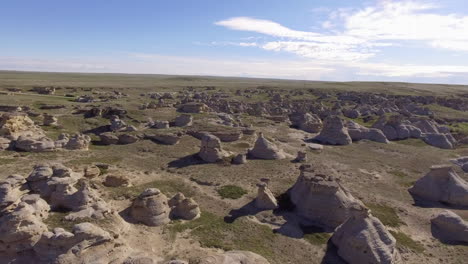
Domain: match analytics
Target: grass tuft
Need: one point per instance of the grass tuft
(405, 241)
(231, 192)
(387, 215)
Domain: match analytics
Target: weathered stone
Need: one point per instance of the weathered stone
(264, 149)
(150, 208)
(334, 132)
(210, 150)
(265, 199)
(449, 227)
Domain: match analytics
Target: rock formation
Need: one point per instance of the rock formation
(449, 227)
(364, 239)
(334, 132)
(49, 120)
(151, 208)
(441, 184)
(264, 149)
(183, 120)
(307, 122)
(183, 208)
(358, 132)
(235, 257)
(265, 199)
(321, 199)
(210, 150)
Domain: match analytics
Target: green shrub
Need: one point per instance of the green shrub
(231, 192)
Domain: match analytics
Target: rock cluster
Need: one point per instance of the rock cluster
(305, 121)
(441, 184)
(358, 132)
(152, 208)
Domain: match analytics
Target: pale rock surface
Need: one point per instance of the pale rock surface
(364, 239)
(264, 149)
(450, 227)
(358, 132)
(265, 199)
(334, 132)
(321, 199)
(210, 150)
(150, 208)
(441, 184)
(184, 208)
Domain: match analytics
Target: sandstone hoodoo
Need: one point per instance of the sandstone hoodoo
(364, 239)
(441, 184)
(334, 132)
(307, 122)
(264, 149)
(321, 199)
(183, 208)
(210, 150)
(265, 199)
(449, 227)
(151, 208)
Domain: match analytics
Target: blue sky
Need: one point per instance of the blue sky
(417, 41)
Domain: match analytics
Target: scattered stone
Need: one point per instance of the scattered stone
(193, 108)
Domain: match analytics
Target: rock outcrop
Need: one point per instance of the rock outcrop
(210, 150)
(441, 184)
(364, 239)
(264, 149)
(183, 120)
(265, 199)
(334, 132)
(307, 122)
(183, 208)
(151, 208)
(322, 200)
(358, 132)
(449, 227)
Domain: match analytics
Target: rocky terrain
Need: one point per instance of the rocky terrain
(172, 169)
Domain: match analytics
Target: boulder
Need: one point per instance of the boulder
(449, 227)
(264, 149)
(301, 157)
(78, 142)
(116, 181)
(49, 120)
(358, 132)
(11, 190)
(443, 141)
(364, 239)
(321, 199)
(183, 120)
(441, 184)
(183, 208)
(160, 124)
(30, 144)
(125, 139)
(109, 138)
(239, 159)
(334, 132)
(306, 122)
(164, 138)
(5, 143)
(150, 208)
(210, 150)
(14, 125)
(92, 171)
(193, 108)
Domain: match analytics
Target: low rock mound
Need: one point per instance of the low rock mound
(334, 132)
(321, 199)
(184, 208)
(264, 149)
(449, 227)
(358, 132)
(364, 239)
(441, 184)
